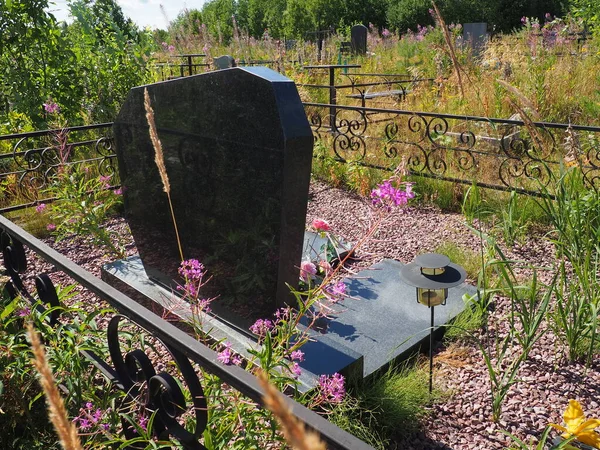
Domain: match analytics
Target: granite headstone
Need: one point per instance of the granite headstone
(224, 62)
(358, 39)
(238, 150)
(475, 36)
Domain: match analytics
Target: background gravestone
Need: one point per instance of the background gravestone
(358, 39)
(475, 36)
(224, 62)
(238, 150)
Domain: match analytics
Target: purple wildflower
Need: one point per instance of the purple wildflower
(200, 305)
(261, 327)
(24, 312)
(171, 48)
(336, 292)
(225, 356)
(104, 180)
(40, 208)
(50, 227)
(386, 33)
(143, 423)
(387, 195)
(88, 417)
(191, 269)
(118, 191)
(236, 360)
(51, 107)
(332, 389)
(297, 355)
(296, 370)
(84, 424)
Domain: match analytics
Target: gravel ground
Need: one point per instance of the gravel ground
(462, 419)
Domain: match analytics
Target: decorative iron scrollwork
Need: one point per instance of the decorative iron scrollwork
(159, 392)
(15, 262)
(35, 160)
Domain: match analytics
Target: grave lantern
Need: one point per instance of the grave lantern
(432, 274)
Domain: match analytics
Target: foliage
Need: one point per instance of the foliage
(86, 67)
(84, 202)
(574, 215)
(397, 398)
(111, 60)
(506, 348)
(36, 60)
(24, 415)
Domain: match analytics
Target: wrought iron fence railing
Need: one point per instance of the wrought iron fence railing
(130, 371)
(501, 154)
(29, 160)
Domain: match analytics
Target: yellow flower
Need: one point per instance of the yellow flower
(578, 426)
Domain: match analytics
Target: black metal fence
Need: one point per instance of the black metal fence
(29, 160)
(134, 369)
(493, 153)
(500, 154)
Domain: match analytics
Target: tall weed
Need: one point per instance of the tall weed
(574, 215)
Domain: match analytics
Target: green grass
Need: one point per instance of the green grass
(464, 257)
(394, 401)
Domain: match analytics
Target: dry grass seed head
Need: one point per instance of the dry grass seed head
(66, 430)
(293, 430)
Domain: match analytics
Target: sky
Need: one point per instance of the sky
(143, 12)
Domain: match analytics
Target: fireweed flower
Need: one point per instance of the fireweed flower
(307, 271)
(143, 423)
(261, 327)
(226, 355)
(320, 225)
(40, 208)
(389, 196)
(331, 388)
(51, 107)
(90, 417)
(296, 370)
(578, 426)
(297, 355)
(335, 292)
(24, 312)
(104, 180)
(191, 269)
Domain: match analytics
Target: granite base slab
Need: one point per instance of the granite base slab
(382, 320)
(322, 357)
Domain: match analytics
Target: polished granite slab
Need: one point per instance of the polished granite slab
(238, 150)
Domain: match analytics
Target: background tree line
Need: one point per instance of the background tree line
(86, 67)
(296, 18)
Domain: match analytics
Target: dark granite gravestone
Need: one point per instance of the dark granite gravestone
(475, 36)
(358, 39)
(224, 62)
(238, 150)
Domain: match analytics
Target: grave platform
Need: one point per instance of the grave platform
(381, 321)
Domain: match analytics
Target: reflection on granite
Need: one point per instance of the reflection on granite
(237, 148)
